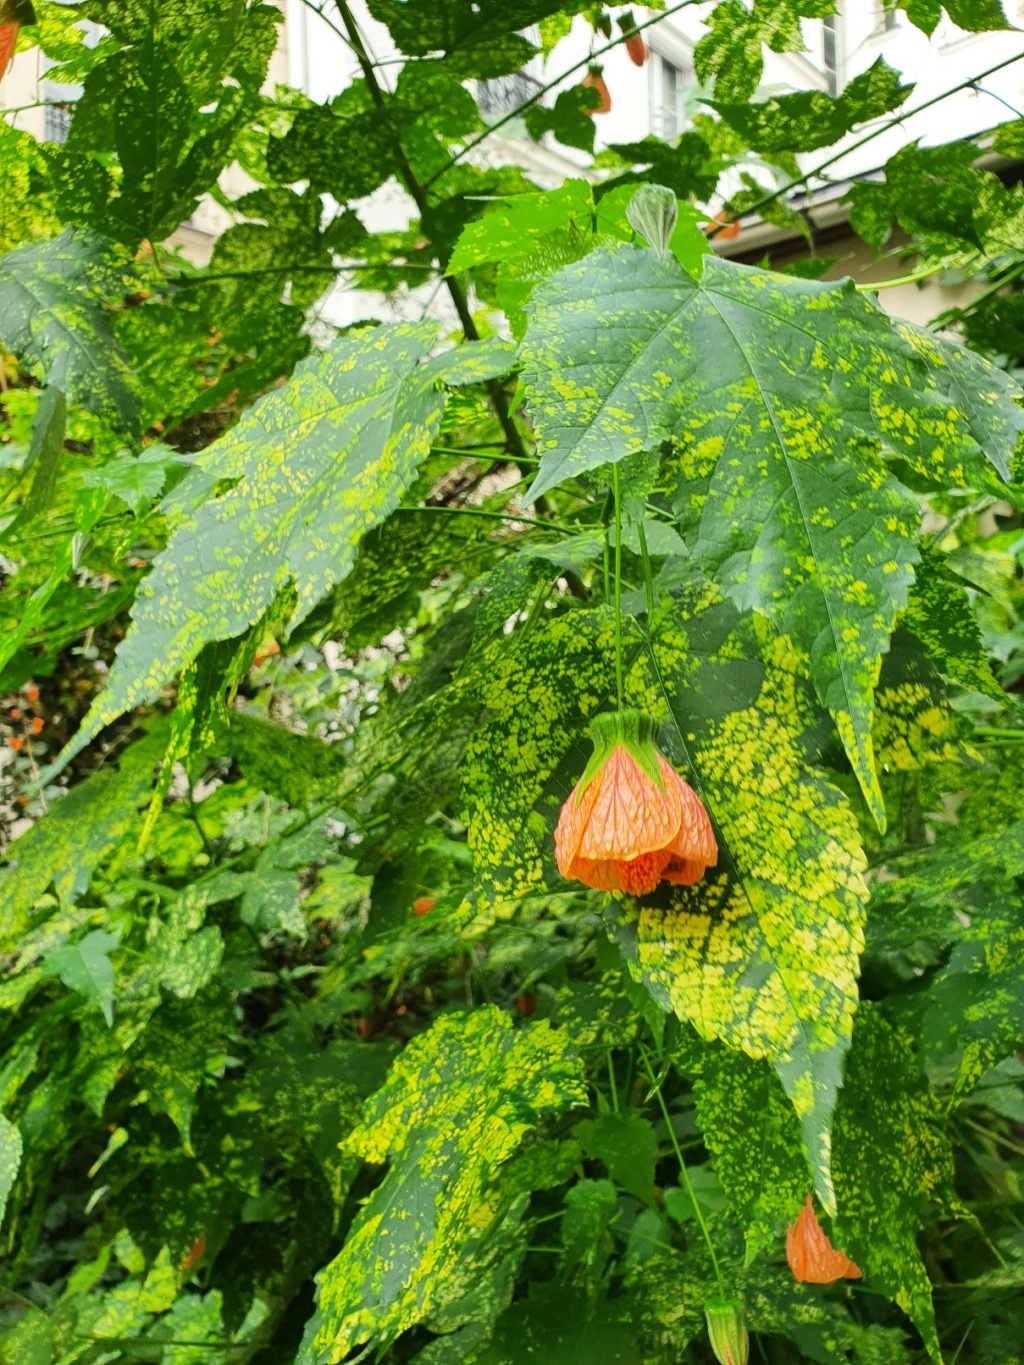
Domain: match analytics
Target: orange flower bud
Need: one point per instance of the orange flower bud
(595, 81)
(194, 1253)
(631, 820)
(811, 1256)
(8, 41)
(423, 905)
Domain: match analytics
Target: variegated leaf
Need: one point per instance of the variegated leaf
(284, 498)
(777, 392)
(452, 1112)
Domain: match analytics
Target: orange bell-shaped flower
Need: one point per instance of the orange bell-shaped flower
(811, 1256)
(631, 820)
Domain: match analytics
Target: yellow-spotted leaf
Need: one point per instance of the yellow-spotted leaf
(753, 1135)
(763, 953)
(541, 693)
(283, 499)
(892, 1161)
(452, 1112)
(779, 394)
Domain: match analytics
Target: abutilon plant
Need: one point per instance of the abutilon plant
(501, 802)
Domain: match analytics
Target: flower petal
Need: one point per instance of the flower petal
(632, 815)
(695, 838)
(811, 1256)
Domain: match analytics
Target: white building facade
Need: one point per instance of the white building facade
(658, 97)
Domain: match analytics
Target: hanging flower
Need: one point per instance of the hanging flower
(811, 1256)
(631, 820)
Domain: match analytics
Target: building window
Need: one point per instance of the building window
(57, 117)
(829, 60)
(669, 82)
(502, 95)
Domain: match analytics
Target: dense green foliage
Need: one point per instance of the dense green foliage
(308, 1053)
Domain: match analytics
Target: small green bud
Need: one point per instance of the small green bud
(727, 1329)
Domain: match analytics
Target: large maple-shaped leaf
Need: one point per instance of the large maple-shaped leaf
(763, 953)
(778, 393)
(453, 1110)
(52, 318)
(308, 471)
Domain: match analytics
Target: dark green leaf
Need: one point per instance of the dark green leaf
(52, 317)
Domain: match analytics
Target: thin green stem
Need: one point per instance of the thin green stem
(994, 1137)
(36, 104)
(611, 1082)
(498, 516)
(684, 1173)
(1011, 274)
(481, 453)
(618, 585)
(648, 579)
(925, 273)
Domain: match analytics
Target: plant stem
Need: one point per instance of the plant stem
(611, 1082)
(499, 516)
(924, 274)
(618, 585)
(418, 192)
(994, 1137)
(648, 579)
(684, 1173)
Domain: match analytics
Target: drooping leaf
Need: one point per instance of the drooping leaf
(891, 1158)
(64, 848)
(44, 452)
(753, 1135)
(957, 908)
(810, 119)
(939, 614)
(309, 470)
(516, 225)
(480, 39)
(627, 1145)
(785, 501)
(10, 1159)
(86, 967)
(541, 695)
(977, 16)
(52, 317)
(590, 1205)
(559, 1326)
(763, 953)
(453, 1110)
(570, 119)
(731, 49)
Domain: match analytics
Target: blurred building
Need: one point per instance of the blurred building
(659, 97)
